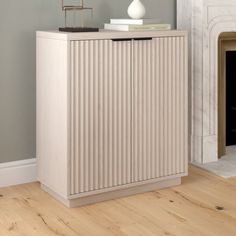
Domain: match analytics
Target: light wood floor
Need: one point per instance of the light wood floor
(203, 205)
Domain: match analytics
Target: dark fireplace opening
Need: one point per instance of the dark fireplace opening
(230, 98)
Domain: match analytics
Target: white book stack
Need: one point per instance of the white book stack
(136, 25)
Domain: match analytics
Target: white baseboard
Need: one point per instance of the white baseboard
(18, 172)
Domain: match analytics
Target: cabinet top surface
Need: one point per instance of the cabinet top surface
(108, 34)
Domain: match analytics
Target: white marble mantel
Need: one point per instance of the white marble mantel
(205, 20)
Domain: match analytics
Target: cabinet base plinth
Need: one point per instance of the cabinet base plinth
(92, 199)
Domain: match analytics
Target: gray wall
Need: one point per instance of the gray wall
(18, 22)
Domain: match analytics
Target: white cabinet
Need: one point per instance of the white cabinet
(112, 113)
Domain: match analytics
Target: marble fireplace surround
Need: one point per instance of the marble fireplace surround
(205, 20)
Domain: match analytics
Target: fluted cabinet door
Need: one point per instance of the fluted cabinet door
(100, 115)
(160, 109)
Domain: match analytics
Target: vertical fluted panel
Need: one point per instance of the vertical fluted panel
(129, 111)
(100, 123)
(160, 108)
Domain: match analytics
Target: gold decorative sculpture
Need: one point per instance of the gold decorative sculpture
(74, 8)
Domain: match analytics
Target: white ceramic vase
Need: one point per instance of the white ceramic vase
(136, 9)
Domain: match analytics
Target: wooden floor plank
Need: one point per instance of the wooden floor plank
(204, 205)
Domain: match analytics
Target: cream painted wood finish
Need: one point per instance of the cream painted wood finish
(100, 114)
(160, 115)
(122, 122)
